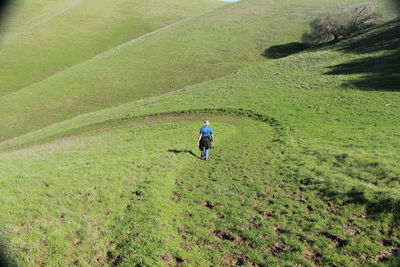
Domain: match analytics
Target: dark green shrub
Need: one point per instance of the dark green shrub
(341, 23)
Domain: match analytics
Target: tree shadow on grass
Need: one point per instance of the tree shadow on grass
(176, 151)
(384, 37)
(280, 51)
(377, 73)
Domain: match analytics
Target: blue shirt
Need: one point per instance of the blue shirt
(206, 131)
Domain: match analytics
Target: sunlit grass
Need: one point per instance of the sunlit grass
(304, 169)
(205, 46)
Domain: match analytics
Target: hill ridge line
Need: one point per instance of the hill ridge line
(116, 49)
(109, 52)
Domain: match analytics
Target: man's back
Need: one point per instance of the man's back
(206, 131)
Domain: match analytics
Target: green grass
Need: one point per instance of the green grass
(201, 48)
(76, 31)
(135, 195)
(71, 207)
(305, 166)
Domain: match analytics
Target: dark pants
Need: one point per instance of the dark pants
(205, 145)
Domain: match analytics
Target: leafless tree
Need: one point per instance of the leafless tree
(341, 23)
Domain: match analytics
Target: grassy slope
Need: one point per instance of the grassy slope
(298, 91)
(74, 31)
(324, 191)
(202, 48)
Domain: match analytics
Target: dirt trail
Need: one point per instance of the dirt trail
(123, 122)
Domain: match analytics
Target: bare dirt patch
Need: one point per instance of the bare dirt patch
(277, 248)
(167, 258)
(337, 240)
(208, 204)
(222, 235)
(310, 254)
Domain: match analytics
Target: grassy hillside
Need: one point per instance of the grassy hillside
(203, 47)
(304, 170)
(43, 37)
(313, 87)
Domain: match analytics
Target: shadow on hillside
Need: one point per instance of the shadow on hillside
(3, 10)
(380, 205)
(397, 3)
(280, 51)
(176, 151)
(378, 73)
(376, 206)
(4, 261)
(384, 37)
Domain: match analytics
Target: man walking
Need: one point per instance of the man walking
(205, 139)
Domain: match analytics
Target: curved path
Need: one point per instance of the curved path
(281, 131)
